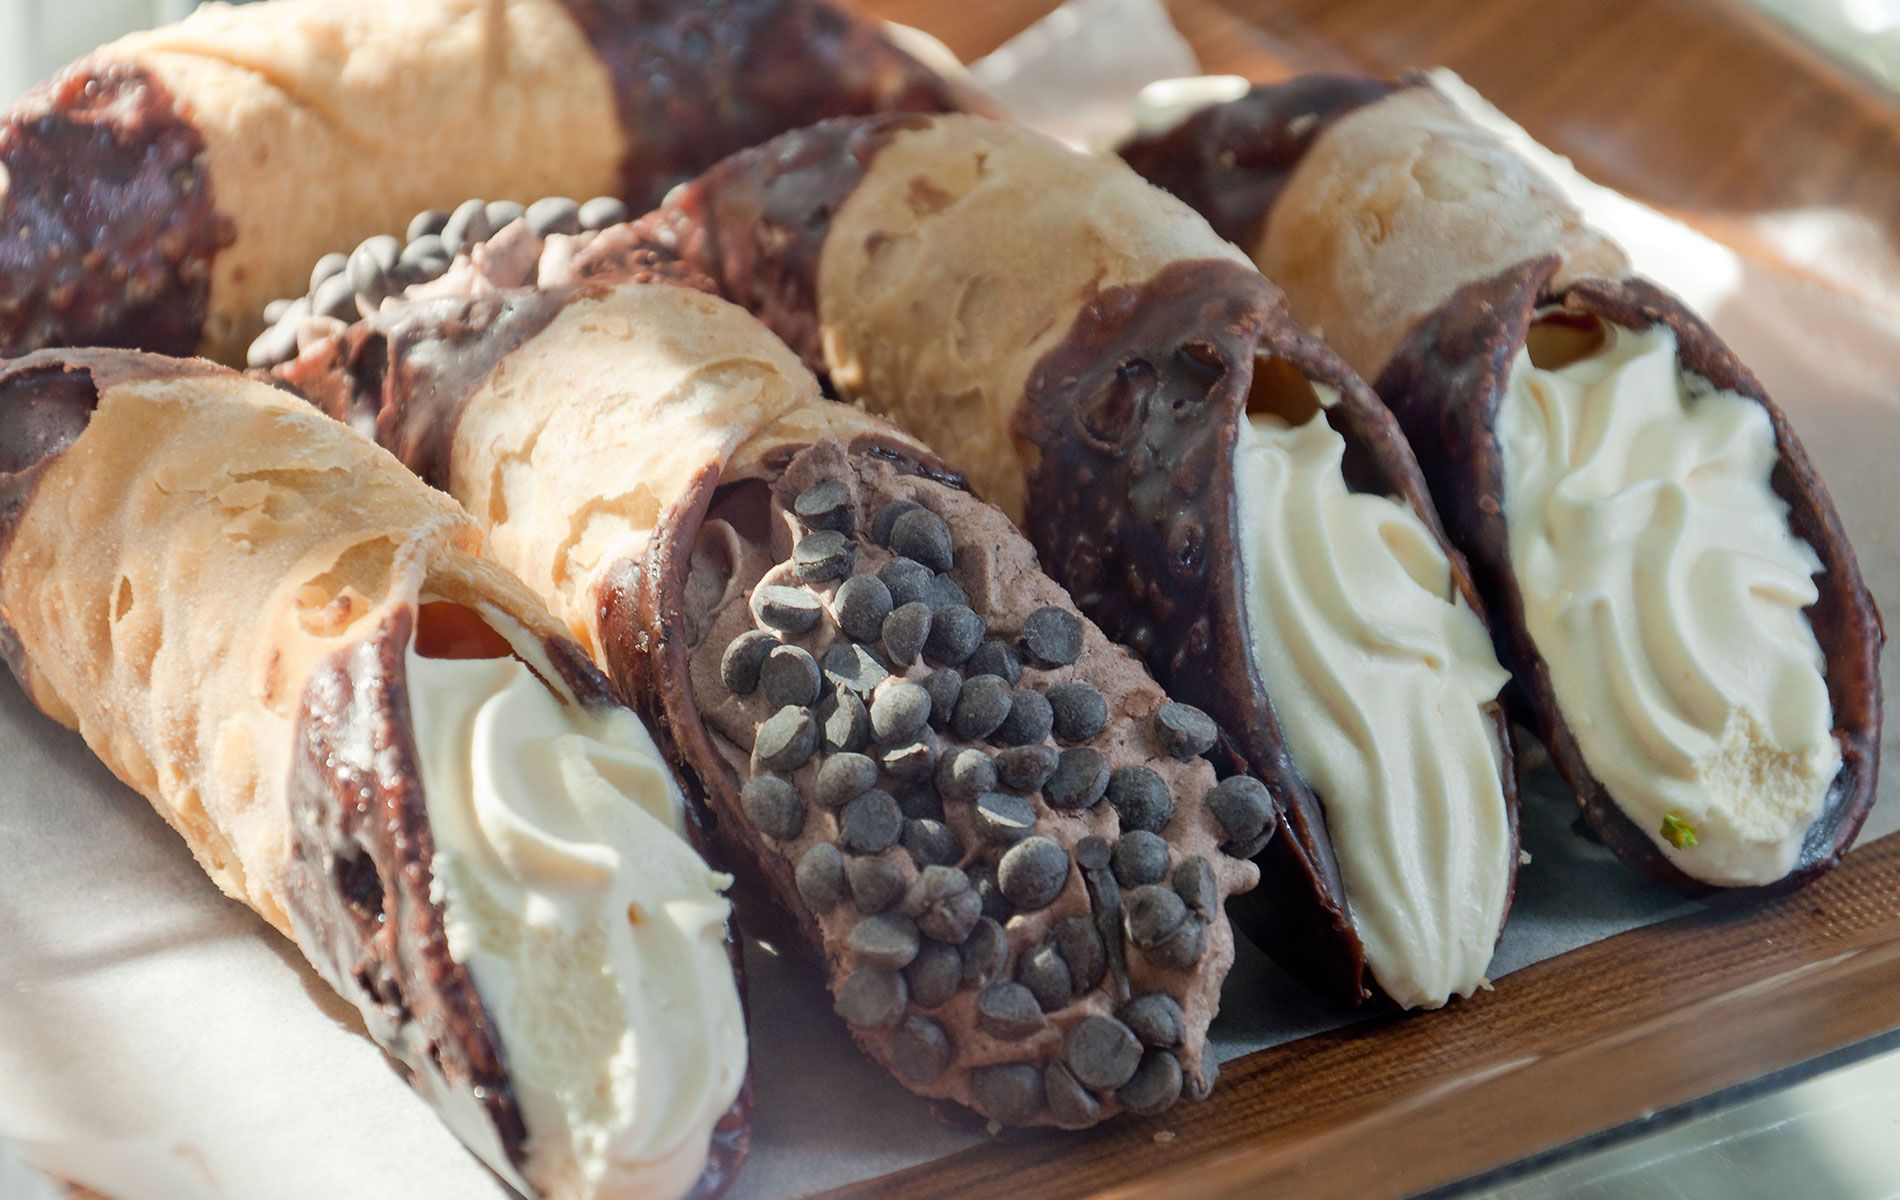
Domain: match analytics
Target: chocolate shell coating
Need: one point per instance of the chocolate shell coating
(1445, 385)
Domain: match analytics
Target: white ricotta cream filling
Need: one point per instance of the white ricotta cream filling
(593, 931)
(1381, 680)
(1664, 590)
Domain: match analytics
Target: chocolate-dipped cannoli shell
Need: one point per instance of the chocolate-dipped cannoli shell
(1446, 383)
(227, 630)
(161, 191)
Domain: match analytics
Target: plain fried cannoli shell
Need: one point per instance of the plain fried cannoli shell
(1446, 383)
(266, 716)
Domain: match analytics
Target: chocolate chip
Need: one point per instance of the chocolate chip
(847, 723)
(773, 806)
(983, 883)
(1026, 768)
(931, 843)
(887, 941)
(1151, 915)
(919, 802)
(1105, 906)
(1244, 808)
(278, 343)
(849, 665)
(334, 298)
(466, 226)
(984, 951)
(876, 884)
(328, 267)
(955, 632)
(603, 211)
(1092, 854)
(922, 535)
(996, 657)
(871, 823)
(1182, 948)
(1081, 947)
(887, 517)
(982, 706)
(905, 632)
(912, 762)
(1103, 1052)
(1052, 637)
(1010, 1094)
(935, 974)
(862, 602)
(1081, 778)
(790, 676)
(842, 779)
(745, 655)
(275, 310)
(825, 505)
(1155, 1086)
(786, 739)
(907, 580)
(872, 998)
(425, 223)
(1072, 1105)
(1029, 719)
(1002, 819)
(424, 259)
(554, 214)
(944, 592)
(503, 213)
(820, 877)
(1047, 977)
(823, 556)
(1141, 858)
(1008, 1011)
(370, 266)
(1032, 873)
(1141, 798)
(899, 712)
(964, 774)
(1194, 883)
(920, 1050)
(1080, 711)
(941, 900)
(1156, 1019)
(945, 687)
(1184, 731)
(1199, 1085)
(786, 609)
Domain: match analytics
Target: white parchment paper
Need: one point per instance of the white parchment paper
(157, 1040)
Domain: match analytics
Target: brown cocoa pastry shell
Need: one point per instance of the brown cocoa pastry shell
(1132, 506)
(1445, 385)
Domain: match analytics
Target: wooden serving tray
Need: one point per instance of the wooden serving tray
(1712, 113)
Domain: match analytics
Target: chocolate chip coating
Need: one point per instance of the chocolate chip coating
(1080, 779)
(1081, 947)
(820, 877)
(883, 524)
(785, 740)
(790, 676)
(1141, 799)
(965, 773)
(996, 657)
(1029, 719)
(1102, 1052)
(1184, 731)
(822, 556)
(945, 907)
(872, 998)
(935, 975)
(847, 723)
(983, 883)
(843, 778)
(1052, 637)
(503, 213)
(1194, 883)
(887, 940)
(1008, 1011)
(876, 885)
(922, 535)
(1047, 977)
(944, 592)
(984, 951)
(1181, 949)
(905, 631)
(906, 579)
(919, 802)
(745, 655)
(1032, 873)
(327, 268)
(466, 226)
(1155, 1085)
(849, 665)
(1080, 712)
(1152, 914)
(920, 1049)
(913, 761)
(932, 843)
(945, 687)
(428, 222)
(1141, 858)
(1156, 1019)
(788, 610)
(1199, 1085)
(825, 505)
(603, 211)
(899, 712)
(335, 298)
(955, 632)
(982, 707)
(871, 823)
(1244, 808)
(1010, 1094)
(554, 214)
(774, 806)
(1002, 819)
(861, 604)
(1072, 1105)
(1026, 768)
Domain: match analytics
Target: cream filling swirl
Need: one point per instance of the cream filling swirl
(594, 933)
(1664, 590)
(1381, 681)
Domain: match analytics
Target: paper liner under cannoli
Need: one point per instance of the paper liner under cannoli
(160, 191)
(1217, 490)
(388, 749)
(949, 784)
(1674, 590)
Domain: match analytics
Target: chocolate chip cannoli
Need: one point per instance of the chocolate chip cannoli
(1675, 592)
(1214, 486)
(985, 818)
(388, 749)
(158, 192)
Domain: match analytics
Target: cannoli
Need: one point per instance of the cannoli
(1214, 486)
(980, 813)
(388, 749)
(158, 192)
(1673, 589)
